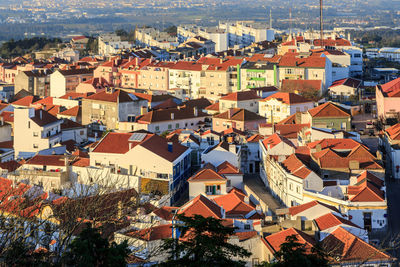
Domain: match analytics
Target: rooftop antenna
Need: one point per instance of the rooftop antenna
(321, 23)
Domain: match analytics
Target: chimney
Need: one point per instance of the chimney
(318, 148)
(172, 116)
(232, 148)
(354, 165)
(170, 147)
(195, 112)
(143, 110)
(230, 113)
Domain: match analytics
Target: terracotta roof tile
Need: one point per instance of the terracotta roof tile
(241, 96)
(328, 110)
(301, 85)
(276, 240)
(330, 220)
(203, 206)
(288, 98)
(227, 168)
(206, 175)
(239, 114)
(298, 209)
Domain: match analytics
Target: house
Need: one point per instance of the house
(311, 210)
(329, 115)
(281, 105)
(307, 68)
(274, 241)
(71, 130)
(311, 88)
(222, 152)
(344, 88)
(93, 85)
(146, 155)
(161, 120)
(390, 141)
(35, 82)
(66, 81)
(387, 99)
(352, 250)
(214, 181)
(237, 118)
(37, 130)
(261, 73)
(111, 106)
(244, 100)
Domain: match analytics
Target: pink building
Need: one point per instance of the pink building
(388, 99)
(237, 118)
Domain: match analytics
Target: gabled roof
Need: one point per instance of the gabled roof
(298, 209)
(116, 143)
(350, 82)
(165, 212)
(235, 205)
(239, 114)
(158, 232)
(328, 110)
(47, 160)
(276, 139)
(114, 96)
(288, 98)
(338, 144)
(43, 118)
(74, 111)
(301, 85)
(331, 220)
(169, 114)
(227, 168)
(394, 132)
(296, 167)
(366, 191)
(254, 138)
(206, 175)
(26, 101)
(391, 89)
(350, 248)
(275, 240)
(289, 60)
(290, 131)
(241, 96)
(203, 206)
(213, 107)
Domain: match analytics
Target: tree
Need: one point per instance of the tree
(91, 249)
(294, 253)
(202, 242)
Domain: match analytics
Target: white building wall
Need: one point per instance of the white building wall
(57, 84)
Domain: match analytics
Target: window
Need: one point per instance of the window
(357, 55)
(177, 126)
(35, 146)
(35, 134)
(169, 126)
(298, 189)
(157, 128)
(29, 124)
(247, 226)
(81, 132)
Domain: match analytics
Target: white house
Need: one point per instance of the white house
(222, 152)
(281, 105)
(36, 130)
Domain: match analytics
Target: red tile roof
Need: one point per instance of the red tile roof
(391, 89)
(351, 82)
(275, 240)
(301, 85)
(296, 167)
(47, 160)
(227, 168)
(153, 233)
(255, 138)
(366, 191)
(289, 60)
(288, 98)
(330, 220)
(241, 96)
(352, 249)
(114, 96)
(335, 144)
(43, 118)
(332, 42)
(298, 209)
(290, 131)
(274, 140)
(235, 205)
(213, 107)
(166, 115)
(328, 110)
(239, 114)
(26, 101)
(165, 212)
(74, 111)
(203, 206)
(206, 175)
(394, 132)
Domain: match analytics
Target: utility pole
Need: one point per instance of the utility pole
(321, 23)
